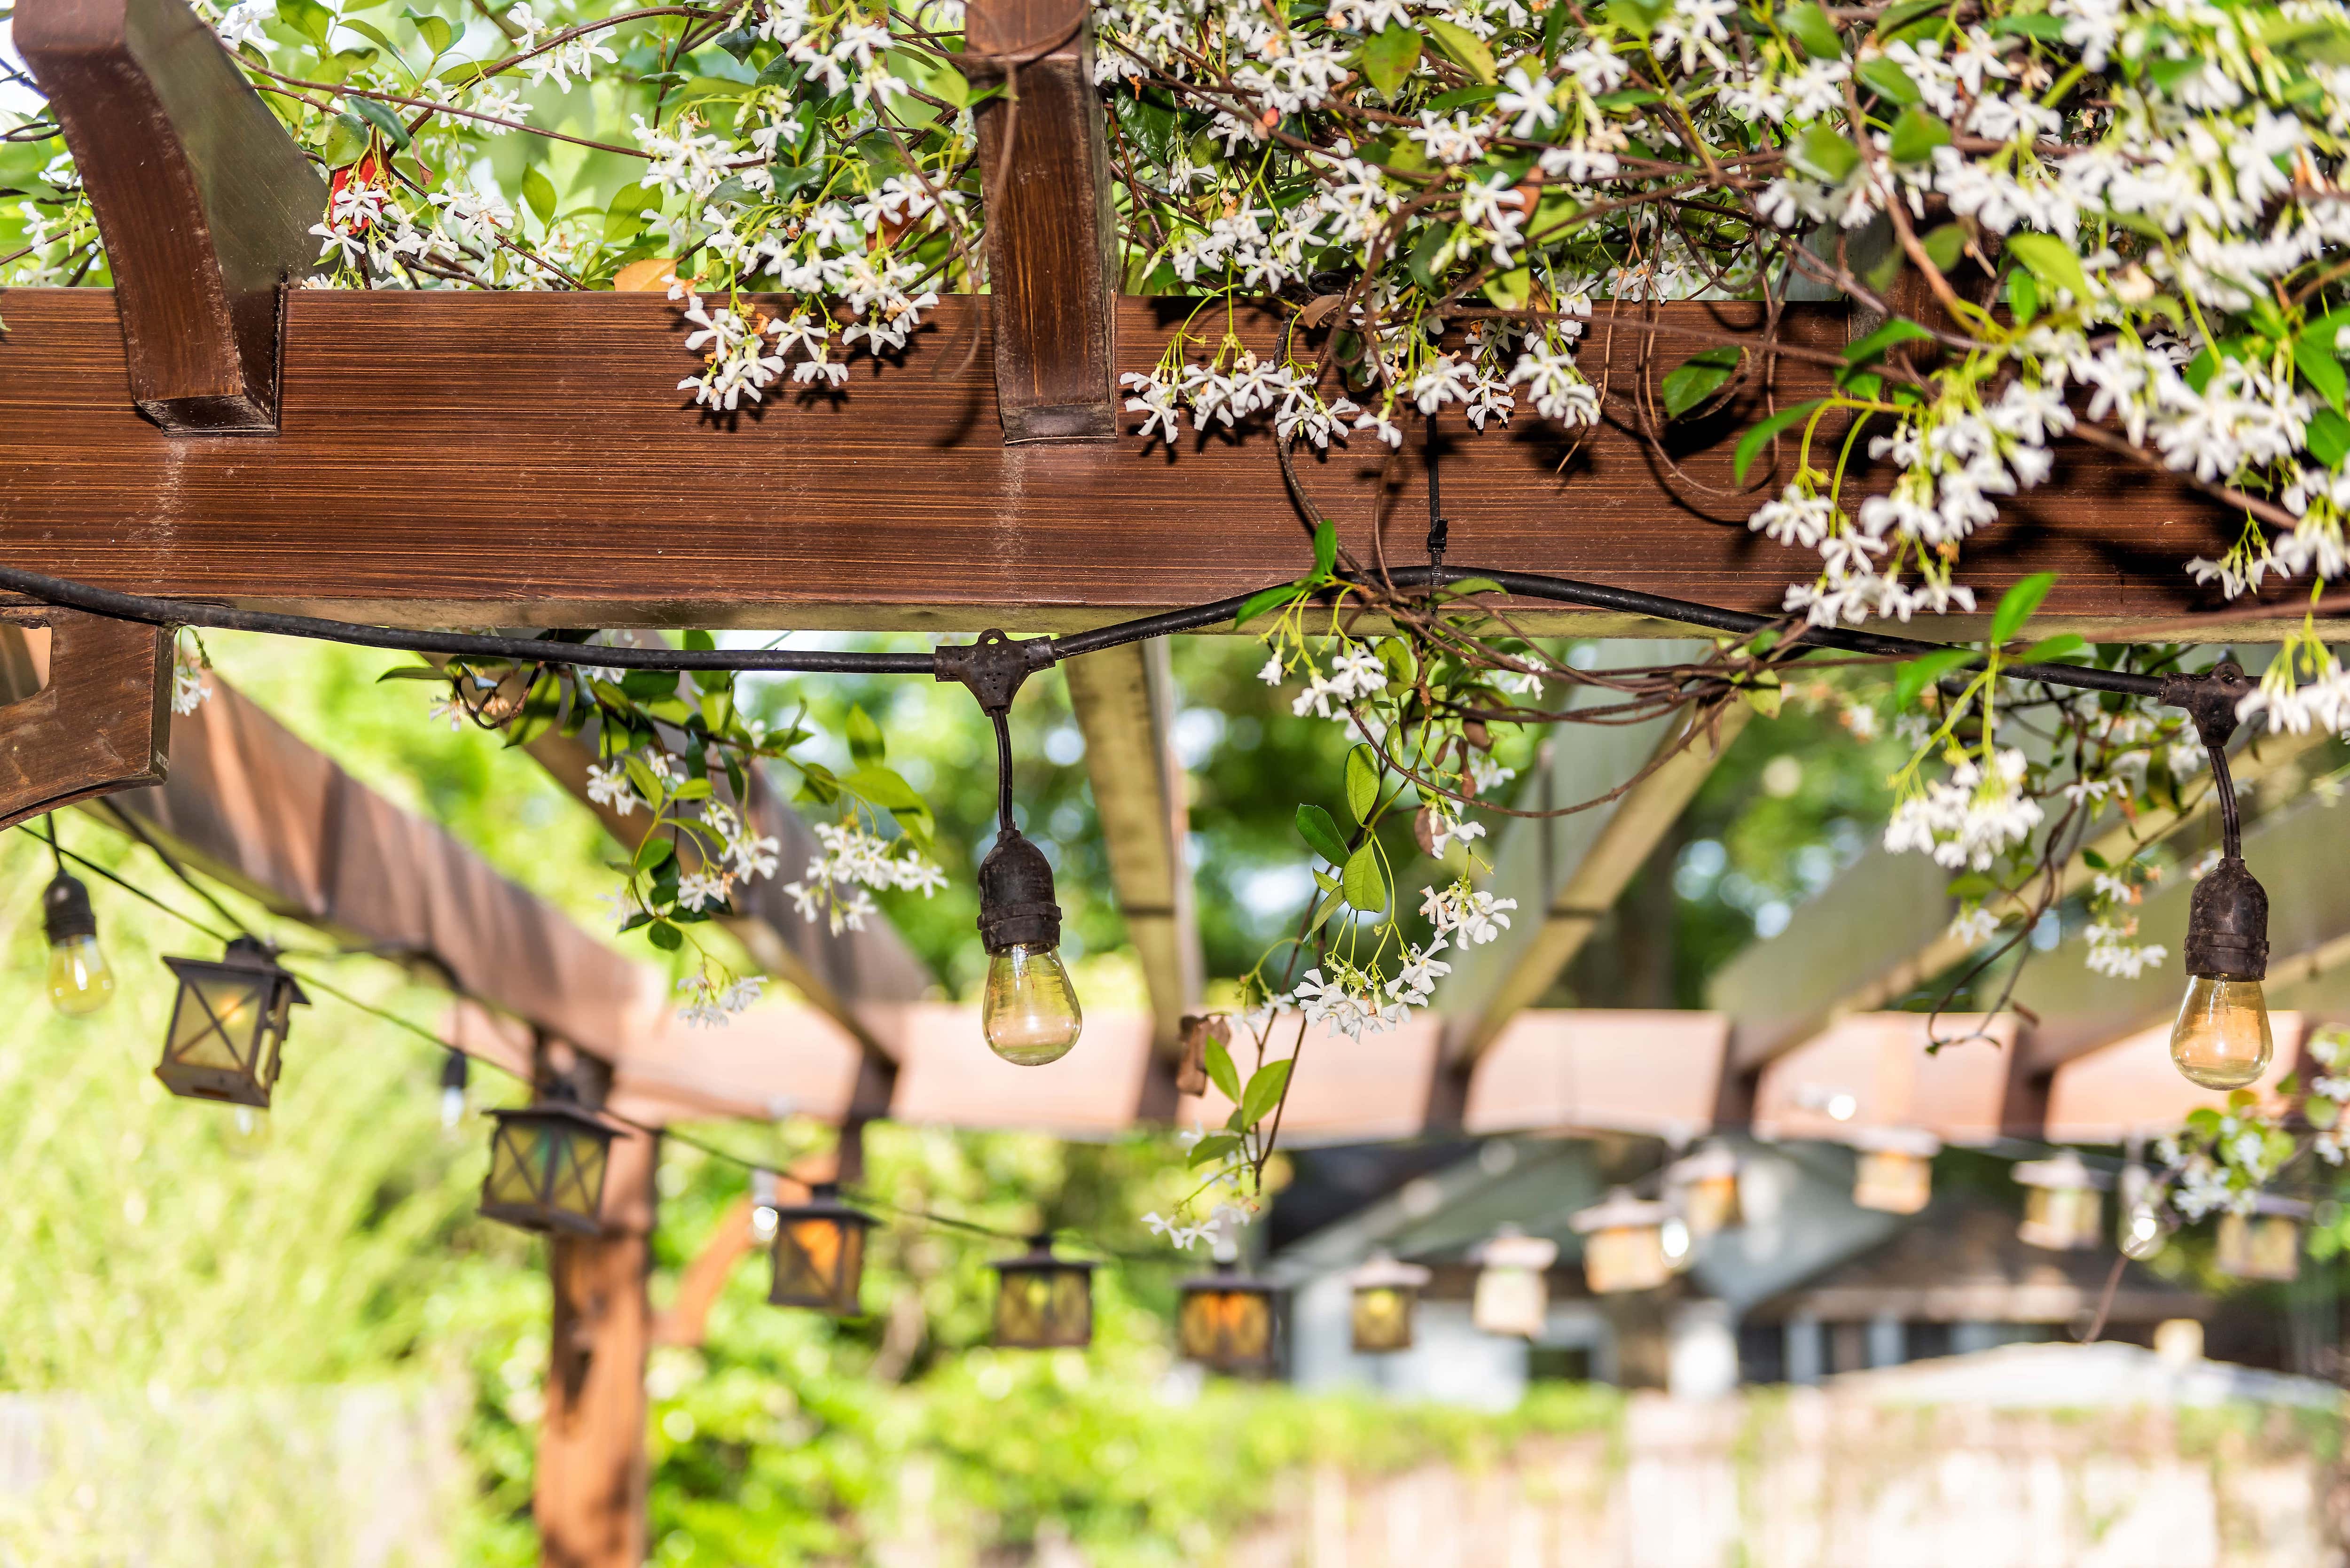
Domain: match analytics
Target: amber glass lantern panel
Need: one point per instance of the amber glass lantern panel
(2260, 1247)
(1622, 1258)
(1046, 1305)
(547, 1169)
(1893, 1182)
(1226, 1325)
(819, 1255)
(1383, 1318)
(2062, 1219)
(228, 1024)
(1710, 1205)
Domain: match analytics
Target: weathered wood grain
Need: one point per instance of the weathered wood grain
(205, 203)
(102, 724)
(1043, 164)
(516, 459)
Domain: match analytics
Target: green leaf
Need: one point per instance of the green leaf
(1899, 329)
(436, 32)
(310, 18)
(866, 746)
(2052, 261)
(2315, 355)
(2048, 649)
(2329, 438)
(1945, 246)
(1899, 16)
(2016, 604)
(2047, 29)
(647, 787)
(1467, 49)
(1321, 834)
(1766, 695)
(885, 787)
(367, 30)
(1366, 884)
(1221, 1071)
(1698, 378)
(664, 936)
(1888, 79)
(1388, 54)
(1922, 672)
(1264, 1090)
(1363, 772)
(1750, 444)
(1213, 1148)
(1916, 134)
(1326, 549)
(1813, 31)
(539, 191)
(413, 672)
(2022, 298)
(1823, 153)
(394, 128)
(1271, 599)
(1511, 290)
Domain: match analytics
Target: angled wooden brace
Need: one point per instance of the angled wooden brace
(205, 203)
(1044, 160)
(102, 724)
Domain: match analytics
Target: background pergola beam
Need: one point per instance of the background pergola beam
(1881, 930)
(1567, 872)
(1125, 702)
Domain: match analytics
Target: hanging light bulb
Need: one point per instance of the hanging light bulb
(1703, 1190)
(2143, 1229)
(81, 980)
(2221, 1040)
(455, 1071)
(1029, 1010)
(1512, 1297)
(764, 1218)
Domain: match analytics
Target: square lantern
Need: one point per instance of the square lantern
(547, 1169)
(2063, 1209)
(1043, 1301)
(228, 1024)
(1624, 1243)
(1703, 1190)
(1513, 1297)
(1386, 1292)
(819, 1253)
(2264, 1244)
(1895, 1173)
(1225, 1322)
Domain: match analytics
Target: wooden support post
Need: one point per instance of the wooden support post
(1125, 702)
(589, 1496)
(1044, 160)
(205, 203)
(687, 1322)
(102, 724)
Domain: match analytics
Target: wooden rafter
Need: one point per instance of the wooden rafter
(205, 203)
(1125, 702)
(102, 722)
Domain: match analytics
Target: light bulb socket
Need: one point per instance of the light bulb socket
(455, 1071)
(2228, 925)
(2210, 698)
(1015, 895)
(65, 910)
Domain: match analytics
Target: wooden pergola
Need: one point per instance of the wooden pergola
(209, 429)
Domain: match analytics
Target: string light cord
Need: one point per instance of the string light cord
(136, 891)
(130, 824)
(164, 612)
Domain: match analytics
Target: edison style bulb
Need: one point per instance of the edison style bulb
(1030, 1011)
(2221, 1040)
(79, 978)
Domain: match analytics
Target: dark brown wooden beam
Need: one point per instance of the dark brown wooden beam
(205, 203)
(1044, 162)
(526, 459)
(102, 723)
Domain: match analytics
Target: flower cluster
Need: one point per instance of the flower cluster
(1970, 817)
(854, 859)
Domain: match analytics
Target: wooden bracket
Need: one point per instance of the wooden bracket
(205, 203)
(102, 724)
(1043, 158)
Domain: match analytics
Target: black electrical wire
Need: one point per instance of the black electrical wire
(1528, 585)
